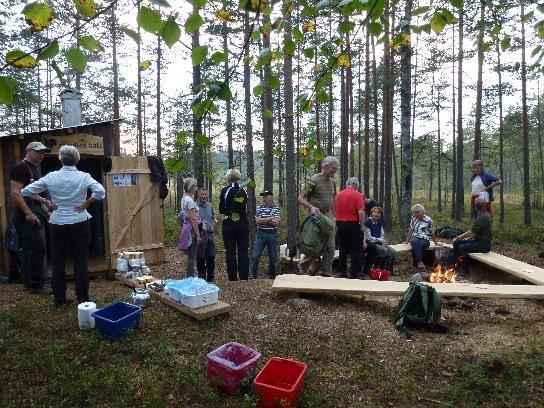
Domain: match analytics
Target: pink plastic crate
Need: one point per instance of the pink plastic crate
(230, 364)
(280, 382)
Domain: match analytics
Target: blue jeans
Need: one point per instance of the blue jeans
(468, 246)
(264, 239)
(418, 245)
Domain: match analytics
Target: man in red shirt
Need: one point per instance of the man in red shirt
(350, 220)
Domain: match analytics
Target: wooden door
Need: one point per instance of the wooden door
(135, 210)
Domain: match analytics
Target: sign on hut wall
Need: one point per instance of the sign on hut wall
(85, 143)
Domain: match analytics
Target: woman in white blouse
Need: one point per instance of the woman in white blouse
(69, 228)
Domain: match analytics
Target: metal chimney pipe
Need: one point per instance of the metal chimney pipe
(71, 107)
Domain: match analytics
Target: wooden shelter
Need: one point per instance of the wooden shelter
(131, 216)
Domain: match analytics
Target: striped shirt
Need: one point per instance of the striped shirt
(423, 228)
(264, 211)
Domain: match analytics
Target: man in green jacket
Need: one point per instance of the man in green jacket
(476, 239)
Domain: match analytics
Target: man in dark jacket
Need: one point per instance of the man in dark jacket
(30, 216)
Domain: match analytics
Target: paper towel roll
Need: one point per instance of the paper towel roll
(84, 312)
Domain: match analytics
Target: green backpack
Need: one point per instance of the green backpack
(314, 234)
(419, 308)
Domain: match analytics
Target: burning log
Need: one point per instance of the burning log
(442, 275)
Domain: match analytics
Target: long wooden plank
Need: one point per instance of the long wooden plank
(202, 313)
(297, 259)
(406, 247)
(521, 269)
(514, 267)
(339, 286)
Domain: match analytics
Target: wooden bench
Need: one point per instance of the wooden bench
(201, 313)
(504, 263)
(341, 286)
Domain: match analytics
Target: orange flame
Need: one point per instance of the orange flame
(443, 275)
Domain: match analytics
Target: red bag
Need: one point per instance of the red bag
(380, 274)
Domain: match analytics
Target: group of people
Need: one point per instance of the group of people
(359, 231)
(197, 238)
(59, 200)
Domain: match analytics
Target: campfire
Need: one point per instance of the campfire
(442, 275)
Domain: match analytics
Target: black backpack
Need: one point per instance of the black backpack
(419, 308)
(448, 232)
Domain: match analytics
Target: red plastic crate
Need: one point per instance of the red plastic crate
(230, 364)
(380, 274)
(280, 382)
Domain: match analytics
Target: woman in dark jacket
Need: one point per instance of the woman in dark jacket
(235, 227)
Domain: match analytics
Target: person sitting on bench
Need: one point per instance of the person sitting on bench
(419, 235)
(477, 239)
(386, 254)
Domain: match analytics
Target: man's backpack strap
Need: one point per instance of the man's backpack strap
(437, 306)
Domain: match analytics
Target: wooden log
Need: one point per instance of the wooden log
(340, 286)
(201, 313)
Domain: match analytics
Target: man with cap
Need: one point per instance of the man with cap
(30, 216)
(267, 217)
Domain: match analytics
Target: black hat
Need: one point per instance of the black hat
(266, 193)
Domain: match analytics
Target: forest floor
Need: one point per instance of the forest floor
(492, 356)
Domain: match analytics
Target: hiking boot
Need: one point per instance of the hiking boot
(62, 303)
(44, 290)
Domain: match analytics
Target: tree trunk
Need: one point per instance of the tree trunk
(366, 163)
(292, 204)
(478, 108)
(159, 59)
(115, 69)
(388, 117)
(501, 136)
(454, 133)
(460, 190)
(139, 96)
(439, 157)
(280, 146)
(405, 137)
(344, 129)
(376, 178)
(349, 110)
(251, 202)
(539, 130)
(228, 124)
(198, 151)
(268, 121)
(330, 147)
(526, 181)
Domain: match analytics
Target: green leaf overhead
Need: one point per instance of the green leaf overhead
(90, 43)
(7, 90)
(86, 8)
(267, 113)
(247, 182)
(170, 31)
(174, 165)
(258, 90)
(203, 141)
(193, 23)
(160, 3)
(50, 51)
(456, 3)
(38, 15)
(297, 35)
(198, 3)
(274, 82)
(375, 28)
(219, 57)
(76, 59)
(199, 54)
(20, 59)
(149, 19)
(505, 43)
(131, 33)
